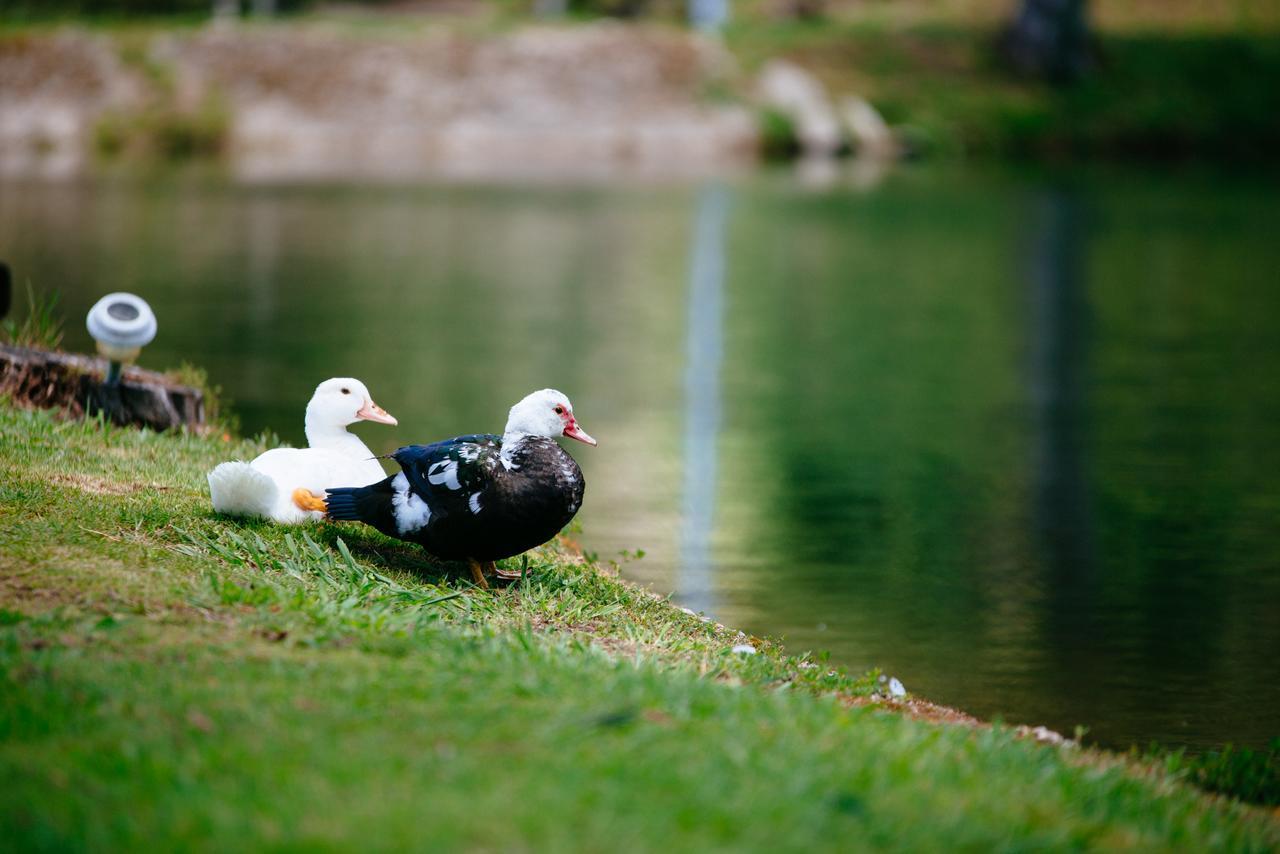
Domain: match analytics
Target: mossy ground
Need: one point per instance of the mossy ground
(172, 678)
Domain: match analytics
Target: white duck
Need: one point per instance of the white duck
(287, 484)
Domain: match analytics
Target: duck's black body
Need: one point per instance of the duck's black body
(463, 498)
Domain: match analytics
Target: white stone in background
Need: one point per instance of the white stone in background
(1044, 735)
(896, 688)
(871, 135)
(799, 96)
(818, 171)
(744, 649)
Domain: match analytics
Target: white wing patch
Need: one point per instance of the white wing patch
(469, 453)
(412, 513)
(474, 502)
(444, 472)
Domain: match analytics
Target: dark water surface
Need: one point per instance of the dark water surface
(1016, 440)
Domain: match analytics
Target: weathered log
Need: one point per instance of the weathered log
(73, 382)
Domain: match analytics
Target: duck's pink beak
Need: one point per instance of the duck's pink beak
(373, 412)
(573, 431)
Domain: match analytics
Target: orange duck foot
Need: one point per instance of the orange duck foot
(305, 499)
(478, 572)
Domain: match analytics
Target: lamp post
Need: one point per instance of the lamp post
(122, 324)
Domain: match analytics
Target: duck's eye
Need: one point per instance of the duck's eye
(559, 410)
(346, 391)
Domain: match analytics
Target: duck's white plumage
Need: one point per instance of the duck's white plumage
(264, 487)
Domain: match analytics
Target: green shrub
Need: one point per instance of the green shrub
(178, 135)
(166, 131)
(777, 135)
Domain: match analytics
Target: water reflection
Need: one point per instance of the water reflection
(704, 347)
(1014, 443)
(1058, 337)
(262, 239)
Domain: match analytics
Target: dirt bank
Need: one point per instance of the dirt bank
(309, 102)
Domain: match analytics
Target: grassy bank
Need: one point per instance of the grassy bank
(173, 678)
(1152, 94)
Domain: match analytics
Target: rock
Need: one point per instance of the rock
(1044, 735)
(896, 688)
(870, 135)
(798, 95)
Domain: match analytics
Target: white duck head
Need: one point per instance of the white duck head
(338, 402)
(546, 413)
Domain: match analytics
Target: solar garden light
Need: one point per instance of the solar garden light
(122, 324)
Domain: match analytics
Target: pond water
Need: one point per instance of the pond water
(1013, 438)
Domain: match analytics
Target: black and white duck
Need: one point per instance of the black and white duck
(479, 498)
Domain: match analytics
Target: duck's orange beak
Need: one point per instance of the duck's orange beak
(373, 412)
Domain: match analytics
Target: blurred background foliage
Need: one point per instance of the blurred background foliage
(1172, 80)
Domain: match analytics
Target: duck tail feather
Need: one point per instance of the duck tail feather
(369, 504)
(238, 489)
(342, 503)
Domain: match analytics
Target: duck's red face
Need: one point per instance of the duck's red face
(571, 428)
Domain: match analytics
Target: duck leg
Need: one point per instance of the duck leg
(305, 499)
(477, 572)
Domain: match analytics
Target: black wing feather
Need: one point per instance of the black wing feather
(472, 457)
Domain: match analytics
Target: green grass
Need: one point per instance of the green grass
(42, 325)
(1251, 775)
(170, 678)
